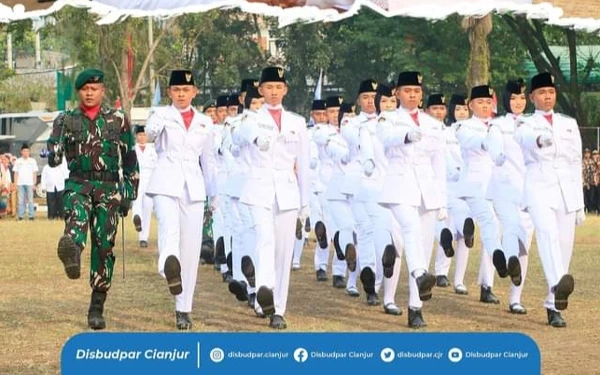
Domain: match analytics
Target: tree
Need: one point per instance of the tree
(478, 30)
(537, 38)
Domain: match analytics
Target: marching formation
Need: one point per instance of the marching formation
(378, 178)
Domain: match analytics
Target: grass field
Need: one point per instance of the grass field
(40, 308)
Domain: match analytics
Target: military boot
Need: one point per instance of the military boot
(69, 254)
(95, 318)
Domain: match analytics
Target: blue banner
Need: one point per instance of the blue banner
(300, 353)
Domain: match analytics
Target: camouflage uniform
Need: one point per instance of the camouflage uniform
(589, 174)
(96, 152)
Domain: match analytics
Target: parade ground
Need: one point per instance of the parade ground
(40, 308)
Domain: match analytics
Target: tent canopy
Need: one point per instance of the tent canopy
(111, 11)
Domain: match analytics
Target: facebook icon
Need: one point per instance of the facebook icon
(300, 355)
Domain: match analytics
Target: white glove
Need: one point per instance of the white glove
(579, 217)
(262, 143)
(346, 159)
(369, 168)
(414, 135)
(454, 175)
(500, 160)
(235, 151)
(313, 163)
(442, 214)
(214, 203)
(304, 213)
(544, 141)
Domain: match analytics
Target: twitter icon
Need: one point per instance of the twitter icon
(387, 355)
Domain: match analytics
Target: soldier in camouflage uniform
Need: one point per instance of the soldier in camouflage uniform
(589, 173)
(99, 147)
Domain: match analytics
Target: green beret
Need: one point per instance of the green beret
(89, 76)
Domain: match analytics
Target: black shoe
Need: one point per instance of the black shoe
(487, 296)
(277, 322)
(220, 257)
(469, 232)
(339, 282)
(307, 225)
(137, 223)
(555, 319)
(367, 278)
(392, 309)
(338, 248)
(183, 321)
(298, 229)
(239, 290)
(351, 257)
(173, 275)
(372, 299)
(514, 270)
(321, 234)
(321, 275)
(517, 308)
(461, 289)
(70, 255)
(352, 292)
(227, 277)
(95, 318)
(446, 242)
(425, 283)
(144, 244)
(248, 270)
(415, 319)
(562, 291)
(388, 260)
(264, 297)
(251, 300)
(500, 263)
(442, 281)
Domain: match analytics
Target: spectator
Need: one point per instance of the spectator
(5, 184)
(25, 169)
(12, 206)
(589, 175)
(53, 183)
(595, 194)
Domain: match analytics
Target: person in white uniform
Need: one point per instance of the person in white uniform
(326, 229)
(243, 284)
(338, 193)
(553, 190)
(276, 191)
(428, 164)
(184, 176)
(401, 193)
(459, 222)
(143, 206)
(473, 183)
(372, 222)
(506, 187)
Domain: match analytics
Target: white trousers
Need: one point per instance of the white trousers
(324, 214)
(458, 211)
(555, 234)
(298, 249)
(180, 234)
(222, 226)
(483, 214)
(373, 232)
(143, 207)
(343, 221)
(243, 238)
(274, 231)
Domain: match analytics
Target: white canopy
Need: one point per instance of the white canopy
(111, 11)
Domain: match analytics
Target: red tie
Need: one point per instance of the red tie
(415, 117)
(276, 114)
(187, 118)
(549, 118)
